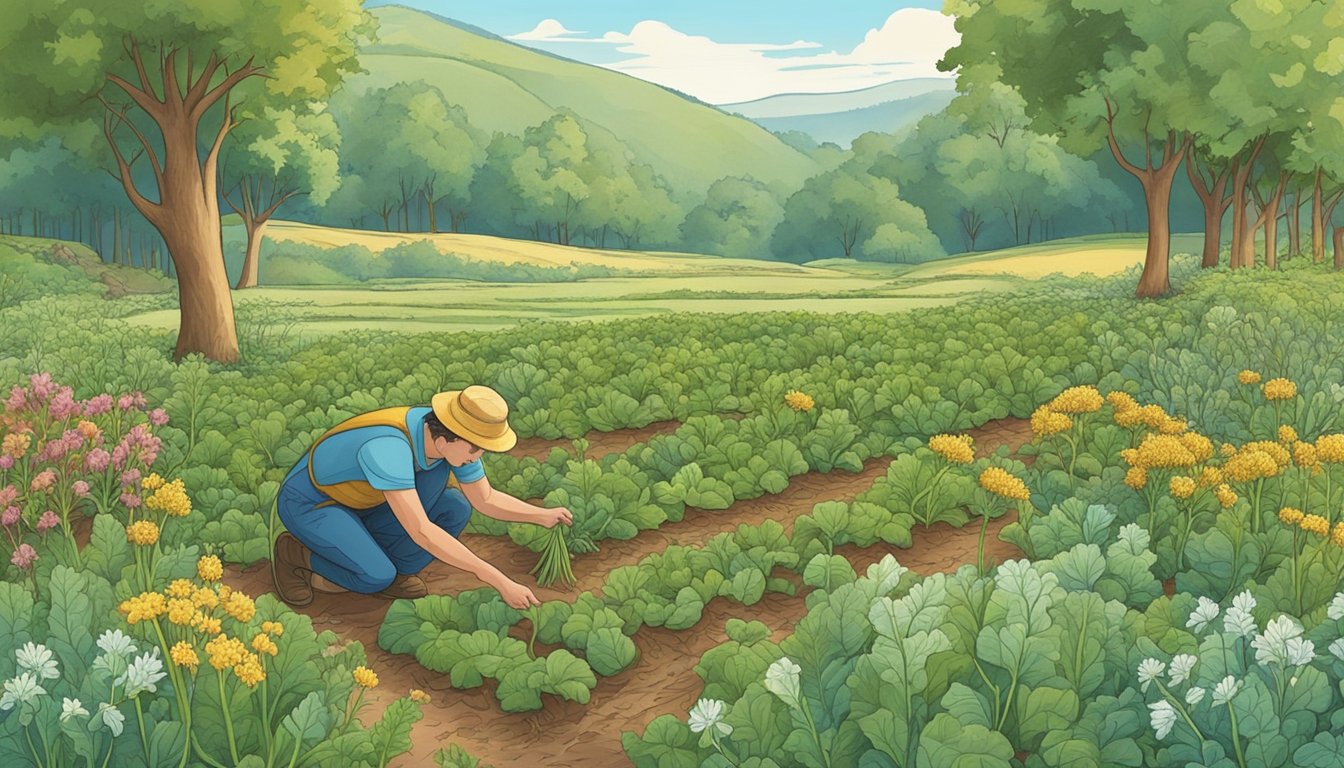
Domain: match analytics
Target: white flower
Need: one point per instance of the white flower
(37, 658)
(1204, 613)
(1282, 644)
(112, 718)
(70, 708)
(116, 642)
(1194, 695)
(706, 714)
(142, 674)
(1337, 648)
(21, 690)
(1244, 601)
(1239, 622)
(1226, 690)
(1164, 717)
(1149, 669)
(781, 679)
(1181, 665)
(1336, 609)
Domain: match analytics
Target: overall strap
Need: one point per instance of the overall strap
(358, 494)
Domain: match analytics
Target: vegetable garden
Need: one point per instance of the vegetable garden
(1061, 529)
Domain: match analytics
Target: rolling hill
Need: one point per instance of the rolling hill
(842, 117)
(507, 87)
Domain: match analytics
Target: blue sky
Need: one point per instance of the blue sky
(727, 51)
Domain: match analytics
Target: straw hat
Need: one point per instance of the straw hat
(477, 414)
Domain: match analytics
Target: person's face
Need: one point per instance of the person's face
(458, 452)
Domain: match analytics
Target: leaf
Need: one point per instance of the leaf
(166, 743)
(748, 586)
(666, 743)
(828, 571)
(568, 677)
(108, 550)
(310, 720)
(968, 706)
(609, 651)
(520, 687)
(1044, 709)
(946, 743)
(70, 619)
(401, 628)
(391, 735)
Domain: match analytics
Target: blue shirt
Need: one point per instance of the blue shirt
(380, 456)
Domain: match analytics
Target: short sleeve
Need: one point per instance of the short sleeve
(469, 472)
(387, 463)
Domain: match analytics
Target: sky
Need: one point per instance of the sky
(731, 50)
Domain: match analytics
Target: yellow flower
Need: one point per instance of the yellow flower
(998, 482)
(1136, 478)
(1164, 452)
(1227, 450)
(225, 592)
(152, 483)
(1209, 477)
(419, 696)
(1290, 516)
(1121, 401)
(1045, 422)
(142, 533)
(1304, 454)
(1252, 463)
(181, 588)
(1330, 448)
(181, 612)
(1084, 399)
(225, 651)
(799, 401)
(1337, 536)
(1226, 496)
(1182, 487)
(88, 429)
(144, 607)
(273, 628)
(1198, 445)
(264, 644)
(1281, 455)
(204, 598)
(1279, 389)
(184, 655)
(1131, 418)
(240, 606)
(15, 445)
(1315, 524)
(249, 670)
(365, 677)
(1172, 426)
(209, 568)
(206, 625)
(170, 498)
(955, 449)
(1287, 434)
(1248, 377)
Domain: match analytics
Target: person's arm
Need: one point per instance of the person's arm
(410, 513)
(502, 506)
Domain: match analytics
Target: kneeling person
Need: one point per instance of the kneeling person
(380, 495)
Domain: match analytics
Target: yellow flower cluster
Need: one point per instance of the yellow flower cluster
(205, 598)
(239, 606)
(1153, 417)
(143, 607)
(15, 445)
(264, 644)
(1315, 524)
(1279, 389)
(1136, 478)
(1305, 456)
(142, 533)
(1337, 535)
(1249, 464)
(1076, 400)
(1248, 377)
(1209, 477)
(1290, 516)
(273, 628)
(1182, 487)
(181, 612)
(250, 671)
(206, 624)
(998, 482)
(1046, 422)
(1164, 452)
(956, 449)
(1287, 434)
(180, 588)
(184, 655)
(1330, 448)
(419, 696)
(1282, 456)
(225, 651)
(1121, 401)
(799, 401)
(1226, 496)
(209, 568)
(152, 482)
(1227, 450)
(365, 677)
(169, 498)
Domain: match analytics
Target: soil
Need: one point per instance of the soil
(662, 680)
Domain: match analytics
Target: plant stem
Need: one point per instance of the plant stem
(228, 716)
(27, 734)
(1236, 737)
(980, 546)
(140, 719)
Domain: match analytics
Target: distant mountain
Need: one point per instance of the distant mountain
(507, 87)
(841, 117)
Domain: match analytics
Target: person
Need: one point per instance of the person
(379, 496)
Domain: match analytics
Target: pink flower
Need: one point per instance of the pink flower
(98, 405)
(158, 417)
(42, 386)
(6, 462)
(63, 405)
(97, 460)
(47, 521)
(18, 399)
(130, 477)
(80, 488)
(24, 556)
(44, 480)
(8, 494)
(125, 402)
(130, 500)
(10, 516)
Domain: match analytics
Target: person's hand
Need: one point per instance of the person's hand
(554, 516)
(516, 595)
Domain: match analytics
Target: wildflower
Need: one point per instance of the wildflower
(88, 430)
(152, 482)
(112, 718)
(116, 643)
(1209, 477)
(1226, 496)
(80, 488)
(205, 598)
(998, 482)
(1227, 450)
(70, 708)
(1337, 649)
(37, 658)
(142, 533)
(1172, 426)
(239, 606)
(181, 612)
(1305, 455)
(1181, 666)
(419, 696)
(225, 651)
(1163, 452)
(209, 568)
(1149, 670)
(1136, 478)
(24, 556)
(1045, 422)
(97, 460)
(1282, 644)
(1226, 690)
(1203, 615)
(1194, 695)
(1290, 516)
(43, 481)
(1248, 377)
(1163, 718)
(782, 679)
(144, 607)
(143, 675)
(1287, 434)
(1279, 389)
(1130, 418)
(21, 690)
(129, 500)
(184, 655)
(1330, 448)
(170, 498)
(1238, 620)
(10, 516)
(1198, 445)
(180, 588)
(16, 445)
(264, 644)
(249, 671)
(158, 417)
(707, 714)
(273, 628)
(1182, 487)
(99, 404)
(1121, 401)
(206, 625)
(1085, 399)
(1336, 609)
(799, 401)
(47, 521)
(1315, 524)
(955, 449)
(365, 677)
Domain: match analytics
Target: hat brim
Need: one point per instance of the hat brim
(500, 444)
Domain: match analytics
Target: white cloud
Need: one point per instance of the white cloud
(908, 44)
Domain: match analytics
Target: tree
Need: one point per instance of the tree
(440, 139)
(836, 213)
(736, 220)
(153, 72)
(549, 175)
(630, 200)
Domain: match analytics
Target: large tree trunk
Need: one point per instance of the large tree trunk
(252, 259)
(1215, 206)
(1317, 223)
(1242, 254)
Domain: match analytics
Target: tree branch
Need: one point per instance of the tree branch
(212, 159)
(170, 85)
(148, 209)
(134, 53)
(214, 94)
(153, 159)
(1115, 146)
(196, 90)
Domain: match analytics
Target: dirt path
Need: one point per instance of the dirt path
(599, 443)
(662, 679)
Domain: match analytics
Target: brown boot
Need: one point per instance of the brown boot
(407, 586)
(292, 570)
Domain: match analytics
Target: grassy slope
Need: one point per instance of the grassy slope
(506, 87)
